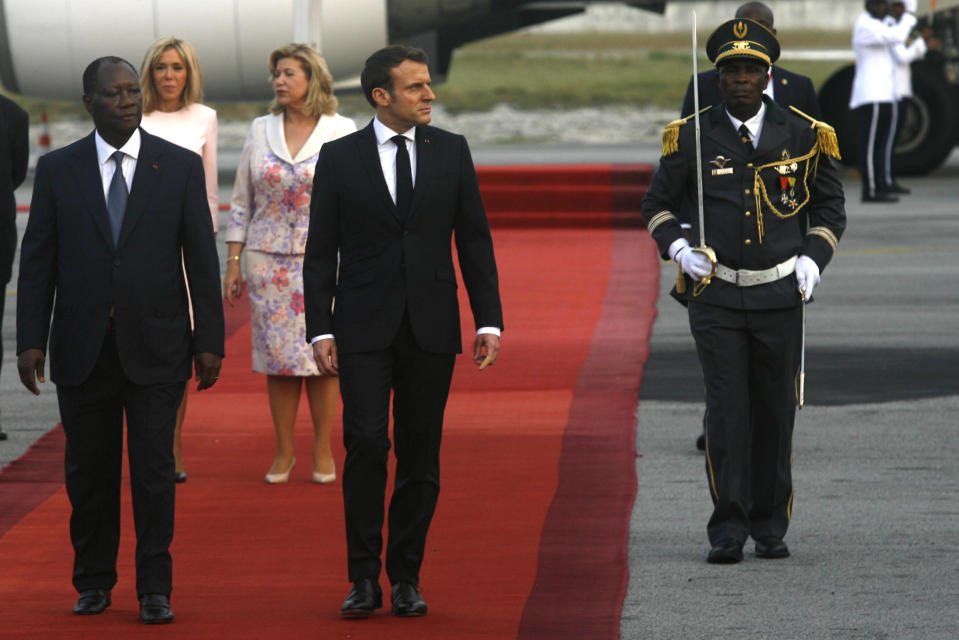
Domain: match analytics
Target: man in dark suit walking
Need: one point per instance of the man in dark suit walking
(386, 201)
(110, 218)
(14, 125)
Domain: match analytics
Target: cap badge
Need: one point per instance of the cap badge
(740, 29)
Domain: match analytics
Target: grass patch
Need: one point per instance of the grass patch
(550, 71)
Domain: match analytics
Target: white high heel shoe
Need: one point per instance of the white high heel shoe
(280, 478)
(324, 478)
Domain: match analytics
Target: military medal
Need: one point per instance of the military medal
(787, 182)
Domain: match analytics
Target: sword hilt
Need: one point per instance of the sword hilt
(711, 256)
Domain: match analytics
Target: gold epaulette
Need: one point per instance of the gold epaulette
(826, 135)
(671, 132)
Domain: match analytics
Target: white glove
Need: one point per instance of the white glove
(807, 276)
(694, 263)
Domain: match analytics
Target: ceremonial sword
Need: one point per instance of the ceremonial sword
(701, 247)
(802, 353)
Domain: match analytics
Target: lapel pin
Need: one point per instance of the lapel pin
(155, 167)
(426, 140)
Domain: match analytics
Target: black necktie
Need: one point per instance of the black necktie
(404, 177)
(746, 138)
(117, 197)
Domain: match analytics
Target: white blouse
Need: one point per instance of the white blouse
(193, 127)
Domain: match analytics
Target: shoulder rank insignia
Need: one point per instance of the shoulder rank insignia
(825, 134)
(671, 133)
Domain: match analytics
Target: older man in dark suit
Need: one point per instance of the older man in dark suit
(14, 125)
(386, 201)
(110, 218)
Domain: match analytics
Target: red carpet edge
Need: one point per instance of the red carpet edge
(583, 571)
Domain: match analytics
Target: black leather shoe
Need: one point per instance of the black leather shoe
(365, 597)
(92, 601)
(725, 553)
(898, 188)
(771, 548)
(407, 601)
(880, 196)
(179, 477)
(155, 609)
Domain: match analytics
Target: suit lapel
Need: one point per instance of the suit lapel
(87, 168)
(145, 180)
(371, 162)
(425, 163)
(774, 133)
(721, 132)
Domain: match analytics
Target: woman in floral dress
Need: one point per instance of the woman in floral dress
(269, 217)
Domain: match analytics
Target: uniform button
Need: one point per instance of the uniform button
(749, 213)
(748, 241)
(749, 164)
(747, 192)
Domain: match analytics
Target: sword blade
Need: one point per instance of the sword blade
(802, 353)
(699, 146)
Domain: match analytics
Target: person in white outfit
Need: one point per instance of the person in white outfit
(874, 95)
(172, 86)
(903, 56)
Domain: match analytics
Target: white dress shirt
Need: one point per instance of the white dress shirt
(872, 41)
(903, 56)
(131, 149)
(387, 150)
(754, 125)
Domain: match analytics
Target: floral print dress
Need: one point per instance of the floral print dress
(270, 213)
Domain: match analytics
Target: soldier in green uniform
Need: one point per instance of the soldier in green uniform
(773, 212)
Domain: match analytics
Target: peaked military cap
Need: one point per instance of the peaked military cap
(742, 38)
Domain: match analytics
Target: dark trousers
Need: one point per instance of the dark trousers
(420, 383)
(92, 414)
(877, 121)
(750, 363)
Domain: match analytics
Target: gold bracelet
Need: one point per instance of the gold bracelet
(232, 258)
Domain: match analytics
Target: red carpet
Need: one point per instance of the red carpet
(530, 536)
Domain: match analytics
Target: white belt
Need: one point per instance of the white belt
(750, 278)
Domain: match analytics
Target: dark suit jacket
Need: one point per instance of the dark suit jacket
(387, 265)
(810, 223)
(14, 126)
(789, 90)
(68, 256)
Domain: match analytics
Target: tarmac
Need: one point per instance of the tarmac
(875, 533)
